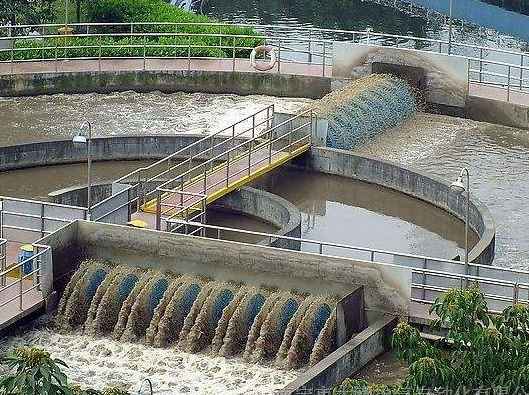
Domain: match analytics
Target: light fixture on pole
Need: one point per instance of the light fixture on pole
(457, 188)
(80, 140)
(450, 27)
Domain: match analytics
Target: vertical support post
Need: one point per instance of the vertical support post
(515, 293)
(228, 169)
(3, 248)
(20, 290)
(12, 57)
(57, 54)
(99, 54)
(233, 55)
(451, 10)
(290, 137)
(269, 147)
(188, 53)
(310, 46)
(324, 59)
(279, 57)
(508, 83)
(424, 279)
(144, 51)
(42, 221)
(481, 65)
(158, 209)
(521, 71)
(321, 248)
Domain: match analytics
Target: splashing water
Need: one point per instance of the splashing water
(364, 109)
(165, 309)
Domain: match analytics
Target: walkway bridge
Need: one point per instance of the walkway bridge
(183, 183)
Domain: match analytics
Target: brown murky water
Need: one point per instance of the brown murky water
(498, 160)
(40, 118)
(342, 210)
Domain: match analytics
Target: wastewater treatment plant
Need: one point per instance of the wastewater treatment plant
(227, 197)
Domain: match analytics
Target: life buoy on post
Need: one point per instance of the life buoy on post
(261, 66)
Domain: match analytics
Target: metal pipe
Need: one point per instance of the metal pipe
(450, 27)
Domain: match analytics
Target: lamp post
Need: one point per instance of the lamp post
(451, 11)
(457, 188)
(80, 140)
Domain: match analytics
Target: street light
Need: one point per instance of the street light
(80, 140)
(457, 188)
(451, 11)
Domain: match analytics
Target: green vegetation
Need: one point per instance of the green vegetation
(34, 372)
(195, 40)
(479, 351)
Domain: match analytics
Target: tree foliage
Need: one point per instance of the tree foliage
(479, 351)
(32, 371)
(26, 11)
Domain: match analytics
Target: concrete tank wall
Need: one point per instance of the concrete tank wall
(246, 201)
(423, 186)
(387, 287)
(165, 81)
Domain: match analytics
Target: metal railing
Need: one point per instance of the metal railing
(427, 284)
(241, 160)
(25, 283)
(312, 46)
(25, 220)
(191, 207)
(3, 259)
(145, 179)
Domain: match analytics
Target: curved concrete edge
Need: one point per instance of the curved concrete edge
(412, 182)
(168, 81)
(58, 152)
(409, 181)
(246, 201)
(269, 208)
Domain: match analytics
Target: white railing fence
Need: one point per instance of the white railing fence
(188, 41)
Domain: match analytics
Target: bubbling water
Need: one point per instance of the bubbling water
(194, 314)
(365, 108)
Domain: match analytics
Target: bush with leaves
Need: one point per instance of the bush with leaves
(34, 372)
(479, 350)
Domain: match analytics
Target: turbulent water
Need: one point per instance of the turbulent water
(116, 325)
(365, 108)
(120, 324)
(498, 160)
(30, 119)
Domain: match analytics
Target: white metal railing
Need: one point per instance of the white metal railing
(3, 259)
(427, 284)
(314, 46)
(25, 283)
(145, 179)
(226, 168)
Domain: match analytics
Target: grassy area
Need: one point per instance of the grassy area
(197, 42)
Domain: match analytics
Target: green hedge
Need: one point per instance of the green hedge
(135, 11)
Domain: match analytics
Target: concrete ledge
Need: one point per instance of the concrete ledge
(423, 186)
(266, 207)
(246, 201)
(60, 152)
(346, 360)
(242, 83)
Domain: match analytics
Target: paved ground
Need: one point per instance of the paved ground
(239, 65)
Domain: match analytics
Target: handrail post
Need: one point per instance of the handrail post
(233, 55)
(158, 209)
(515, 293)
(508, 83)
(269, 147)
(228, 169)
(290, 137)
(12, 57)
(21, 291)
(480, 65)
(99, 53)
(144, 51)
(56, 54)
(521, 71)
(279, 57)
(310, 46)
(188, 53)
(323, 60)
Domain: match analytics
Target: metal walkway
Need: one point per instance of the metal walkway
(216, 165)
